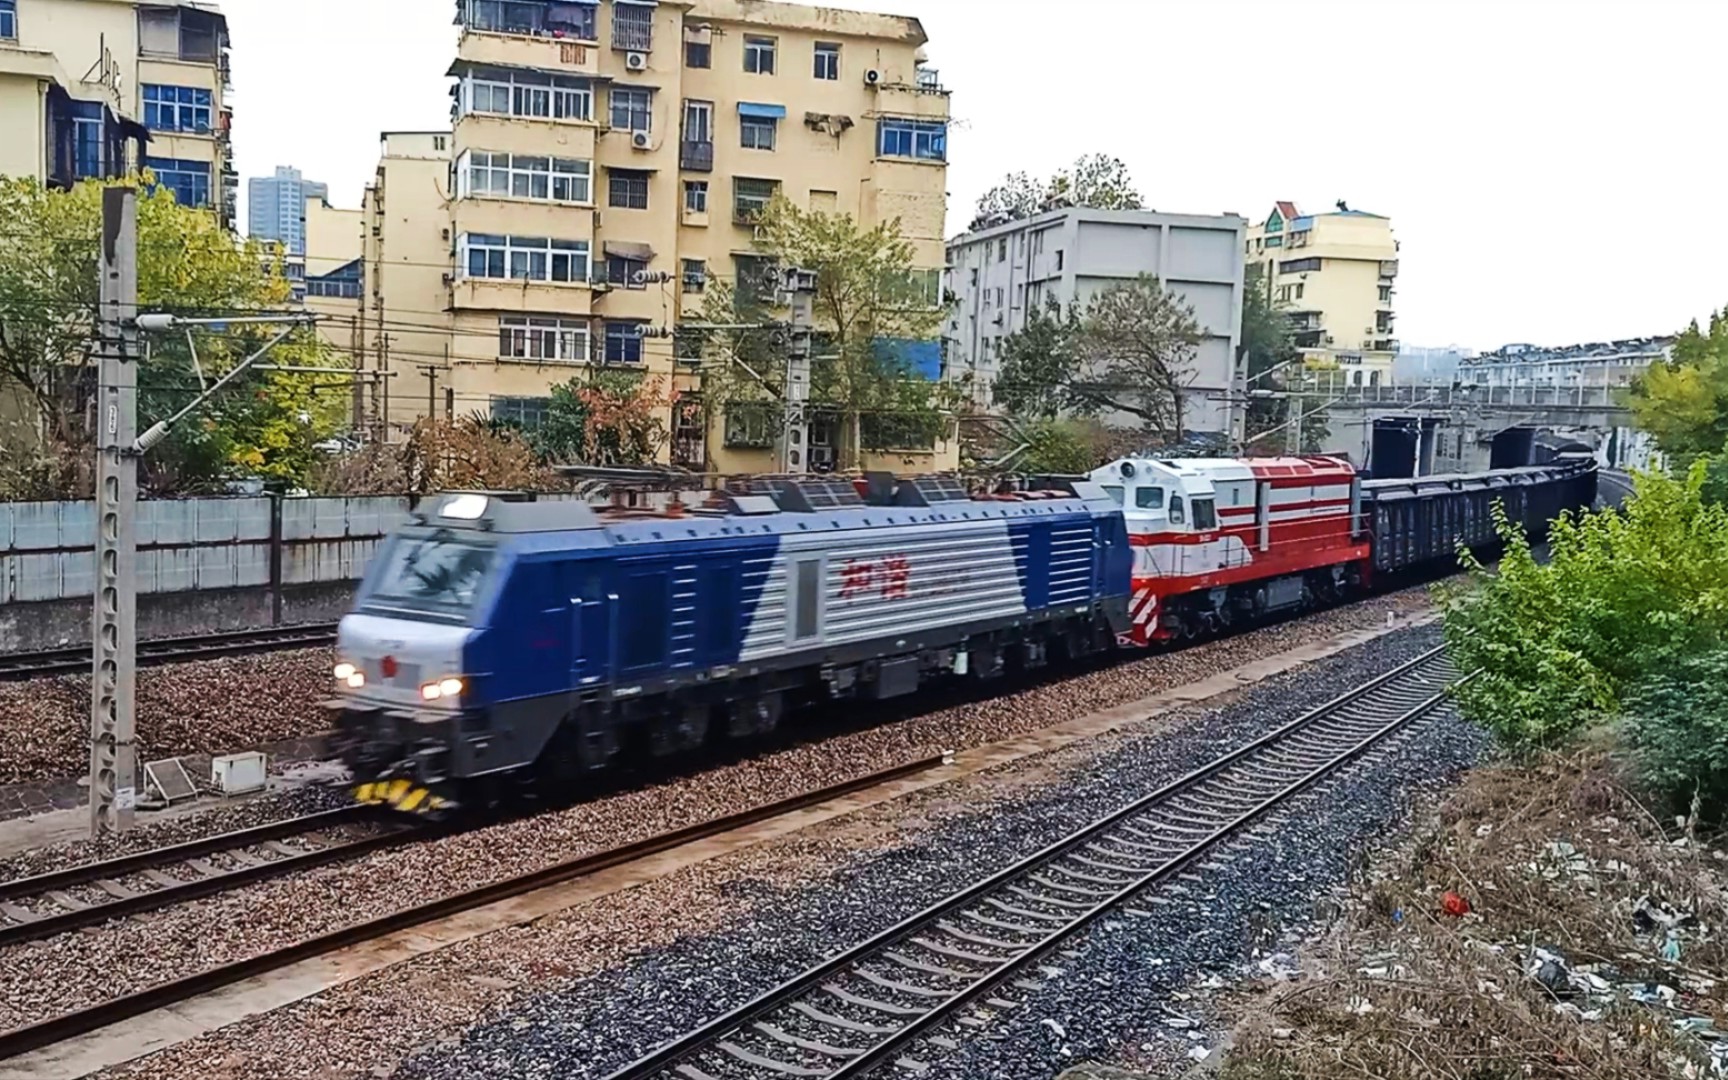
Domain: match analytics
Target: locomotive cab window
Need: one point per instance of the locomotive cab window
(1178, 516)
(440, 573)
(1205, 515)
(1115, 492)
(1149, 498)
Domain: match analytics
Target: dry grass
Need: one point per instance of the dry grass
(1410, 991)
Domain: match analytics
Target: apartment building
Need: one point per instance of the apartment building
(96, 88)
(605, 165)
(276, 207)
(996, 276)
(1335, 275)
(406, 274)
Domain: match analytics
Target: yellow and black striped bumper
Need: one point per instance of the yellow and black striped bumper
(403, 795)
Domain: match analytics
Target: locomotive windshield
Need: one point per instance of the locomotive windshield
(440, 573)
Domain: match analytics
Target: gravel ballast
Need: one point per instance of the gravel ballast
(602, 1023)
(199, 707)
(38, 981)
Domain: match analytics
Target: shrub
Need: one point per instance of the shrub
(1623, 596)
(1676, 727)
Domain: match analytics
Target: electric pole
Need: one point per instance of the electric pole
(795, 430)
(113, 626)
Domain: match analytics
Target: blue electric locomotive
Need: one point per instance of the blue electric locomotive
(498, 644)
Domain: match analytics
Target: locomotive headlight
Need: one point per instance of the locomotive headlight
(349, 675)
(449, 687)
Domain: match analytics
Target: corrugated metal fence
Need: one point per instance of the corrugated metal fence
(47, 549)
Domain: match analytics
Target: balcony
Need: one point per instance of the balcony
(1388, 269)
(1386, 345)
(696, 156)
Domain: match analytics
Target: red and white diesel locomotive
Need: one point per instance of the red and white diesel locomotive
(1218, 540)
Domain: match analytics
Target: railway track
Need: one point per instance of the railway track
(72, 1024)
(35, 665)
(39, 907)
(911, 992)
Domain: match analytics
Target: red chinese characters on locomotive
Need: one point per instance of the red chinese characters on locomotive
(890, 578)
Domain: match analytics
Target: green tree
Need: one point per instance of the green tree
(1266, 344)
(1018, 196)
(1097, 181)
(1622, 597)
(1055, 447)
(1040, 362)
(1130, 351)
(265, 424)
(1138, 342)
(869, 300)
(1683, 403)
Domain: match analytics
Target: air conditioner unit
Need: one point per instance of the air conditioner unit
(636, 61)
(641, 140)
(872, 77)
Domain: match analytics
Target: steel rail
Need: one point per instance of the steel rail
(70, 1025)
(49, 662)
(932, 942)
(19, 924)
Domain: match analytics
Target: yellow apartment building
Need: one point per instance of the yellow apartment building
(605, 164)
(95, 88)
(406, 276)
(1335, 275)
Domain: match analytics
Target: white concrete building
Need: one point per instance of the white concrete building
(996, 275)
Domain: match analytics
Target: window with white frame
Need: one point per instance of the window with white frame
(827, 61)
(926, 140)
(176, 108)
(757, 132)
(522, 258)
(695, 275)
(543, 340)
(524, 176)
(632, 108)
(759, 55)
(9, 19)
(526, 94)
(696, 196)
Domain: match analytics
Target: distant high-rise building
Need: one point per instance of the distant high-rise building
(276, 207)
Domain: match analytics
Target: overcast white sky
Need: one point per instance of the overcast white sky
(1546, 163)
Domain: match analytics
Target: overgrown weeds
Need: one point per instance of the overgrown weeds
(1595, 931)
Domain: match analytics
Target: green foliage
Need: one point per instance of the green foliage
(1684, 403)
(1039, 363)
(1622, 596)
(1677, 728)
(1056, 447)
(868, 295)
(265, 424)
(1131, 351)
(1098, 181)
